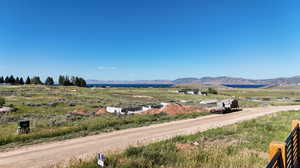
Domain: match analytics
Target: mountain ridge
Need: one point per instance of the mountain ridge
(221, 80)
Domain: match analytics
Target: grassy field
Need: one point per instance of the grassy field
(48, 109)
(240, 145)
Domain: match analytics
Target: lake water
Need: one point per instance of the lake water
(245, 86)
(131, 85)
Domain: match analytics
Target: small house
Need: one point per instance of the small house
(190, 92)
(132, 110)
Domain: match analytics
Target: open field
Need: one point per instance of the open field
(239, 145)
(48, 109)
(47, 154)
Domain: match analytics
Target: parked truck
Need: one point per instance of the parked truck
(226, 106)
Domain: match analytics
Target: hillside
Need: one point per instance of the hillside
(233, 80)
(93, 81)
(216, 80)
(207, 81)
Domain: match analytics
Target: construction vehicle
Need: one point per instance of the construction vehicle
(226, 106)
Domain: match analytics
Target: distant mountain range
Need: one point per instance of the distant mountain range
(130, 82)
(208, 81)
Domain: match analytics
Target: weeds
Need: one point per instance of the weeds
(239, 145)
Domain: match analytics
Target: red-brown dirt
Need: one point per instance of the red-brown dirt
(100, 111)
(80, 112)
(174, 109)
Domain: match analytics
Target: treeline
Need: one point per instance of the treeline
(62, 80)
(73, 81)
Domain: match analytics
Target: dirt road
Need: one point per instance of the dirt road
(44, 155)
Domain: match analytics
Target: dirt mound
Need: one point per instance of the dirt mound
(80, 112)
(176, 109)
(85, 112)
(100, 111)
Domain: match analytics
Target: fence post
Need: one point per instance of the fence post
(273, 148)
(296, 123)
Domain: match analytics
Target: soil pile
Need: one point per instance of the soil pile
(100, 111)
(80, 112)
(174, 109)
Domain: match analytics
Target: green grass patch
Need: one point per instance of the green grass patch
(239, 145)
(103, 123)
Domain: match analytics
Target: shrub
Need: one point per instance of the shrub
(212, 91)
(2, 101)
(134, 151)
(136, 163)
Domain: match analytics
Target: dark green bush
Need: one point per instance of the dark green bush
(2, 101)
(133, 151)
(212, 91)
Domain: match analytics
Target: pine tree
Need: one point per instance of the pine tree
(28, 81)
(67, 81)
(6, 79)
(17, 81)
(21, 81)
(1, 79)
(82, 82)
(36, 80)
(49, 81)
(12, 80)
(79, 82)
(74, 80)
(61, 80)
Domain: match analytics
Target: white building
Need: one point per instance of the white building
(133, 110)
(190, 92)
(114, 109)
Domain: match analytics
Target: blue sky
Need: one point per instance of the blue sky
(150, 39)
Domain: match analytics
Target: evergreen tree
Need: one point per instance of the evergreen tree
(6, 79)
(12, 80)
(82, 82)
(28, 81)
(1, 79)
(49, 81)
(61, 80)
(67, 81)
(17, 81)
(36, 80)
(78, 81)
(74, 80)
(21, 81)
